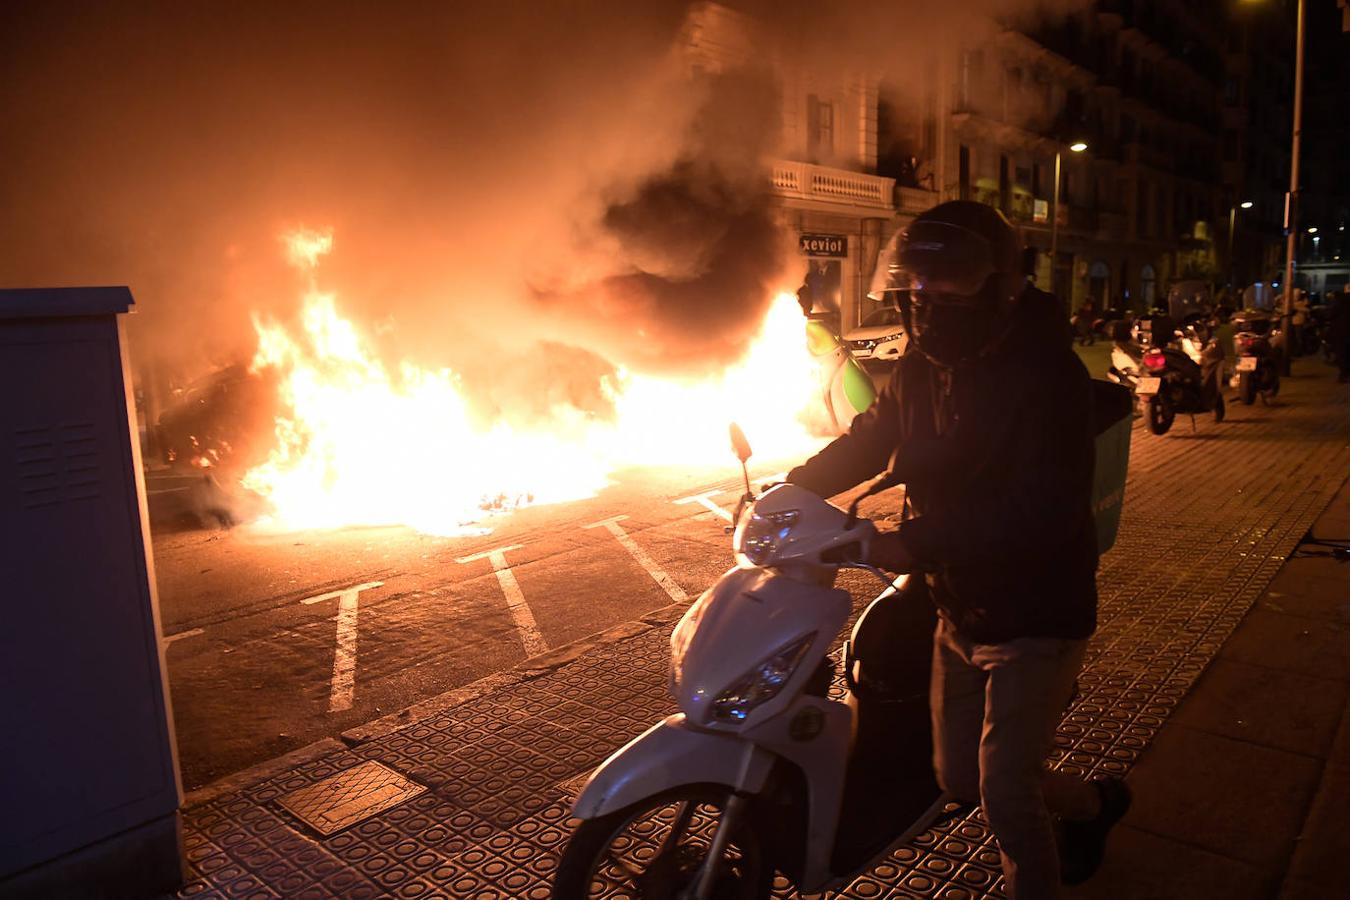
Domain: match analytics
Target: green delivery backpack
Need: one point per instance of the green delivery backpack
(846, 388)
(1112, 418)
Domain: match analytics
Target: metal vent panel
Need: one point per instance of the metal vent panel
(56, 464)
(349, 797)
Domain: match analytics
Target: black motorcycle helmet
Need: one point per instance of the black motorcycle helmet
(956, 272)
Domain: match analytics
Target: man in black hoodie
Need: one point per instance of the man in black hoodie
(989, 420)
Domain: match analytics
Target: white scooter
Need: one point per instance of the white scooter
(762, 770)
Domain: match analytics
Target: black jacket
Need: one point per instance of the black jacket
(997, 458)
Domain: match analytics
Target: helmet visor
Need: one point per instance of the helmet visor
(936, 258)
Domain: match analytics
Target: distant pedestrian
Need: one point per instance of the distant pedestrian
(1340, 332)
(1298, 323)
(1087, 315)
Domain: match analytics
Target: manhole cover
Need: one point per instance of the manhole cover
(349, 797)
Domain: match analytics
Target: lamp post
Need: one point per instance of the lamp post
(1291, 204)
(1232, 224)
(1076, 147)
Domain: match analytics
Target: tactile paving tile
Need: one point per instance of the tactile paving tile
(355, 795)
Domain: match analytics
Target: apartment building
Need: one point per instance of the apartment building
(1140, 83)
(1151, 87)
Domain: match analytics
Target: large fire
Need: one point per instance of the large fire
(358, 444)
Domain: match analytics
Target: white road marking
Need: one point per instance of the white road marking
(170, 638)
(775, 478)
(343, 684)
(667, 583)
(704, 501)
(515, 600)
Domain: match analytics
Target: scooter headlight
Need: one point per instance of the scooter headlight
(761, 684)
(759, 536)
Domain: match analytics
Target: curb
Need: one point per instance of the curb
(526, 670)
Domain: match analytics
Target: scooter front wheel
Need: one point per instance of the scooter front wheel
(657, 848)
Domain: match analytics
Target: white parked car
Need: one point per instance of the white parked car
(879, 338)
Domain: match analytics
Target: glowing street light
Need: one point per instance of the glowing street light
(1076, 147)
(1232, 226)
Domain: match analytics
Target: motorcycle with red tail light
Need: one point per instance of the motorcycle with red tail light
(1258, 342)
(1172, 382)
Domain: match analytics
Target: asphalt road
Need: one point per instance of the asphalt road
(275, 641)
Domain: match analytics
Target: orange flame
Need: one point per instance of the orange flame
(359, 444)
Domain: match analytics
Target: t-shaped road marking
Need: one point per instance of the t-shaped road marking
(667, 583)
(343, 685)
(515, 600)
(704, 501)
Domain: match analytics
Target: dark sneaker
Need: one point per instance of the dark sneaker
(1084, 843)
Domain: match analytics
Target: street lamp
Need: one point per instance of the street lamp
(1076, 147)
(1232, 225)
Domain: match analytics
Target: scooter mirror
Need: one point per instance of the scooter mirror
(739, 443)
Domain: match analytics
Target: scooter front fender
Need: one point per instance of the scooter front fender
(669, 754)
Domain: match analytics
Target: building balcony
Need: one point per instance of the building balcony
(809, 182)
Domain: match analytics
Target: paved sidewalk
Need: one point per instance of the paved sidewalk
(1219, 691)
(1244, 791)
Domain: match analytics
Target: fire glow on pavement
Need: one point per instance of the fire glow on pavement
(360, 444)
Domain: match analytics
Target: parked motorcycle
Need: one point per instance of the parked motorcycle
(1258, 343)
(762, 770)
(1172, 382)
(1127, 355)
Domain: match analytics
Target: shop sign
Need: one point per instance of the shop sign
(1040, 211)
(832, 245)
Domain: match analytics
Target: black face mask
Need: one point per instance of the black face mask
(951, 330)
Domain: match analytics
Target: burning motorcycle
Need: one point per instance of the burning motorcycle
(1258, 343)
(1173, 382)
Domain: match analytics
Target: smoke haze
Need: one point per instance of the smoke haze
(495, 174)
